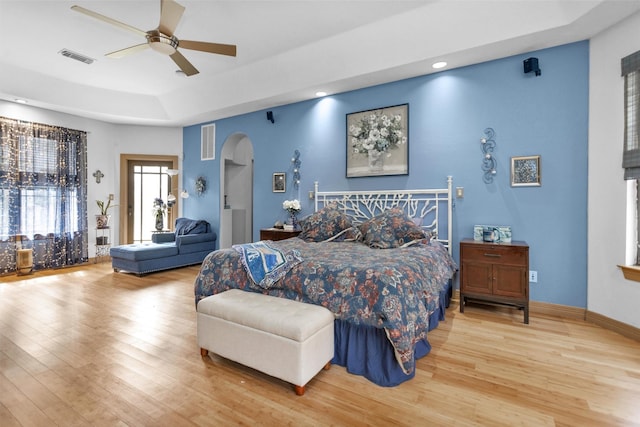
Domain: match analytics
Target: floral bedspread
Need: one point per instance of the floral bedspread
(395, 289)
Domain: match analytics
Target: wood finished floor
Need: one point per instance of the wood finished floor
(86, 346)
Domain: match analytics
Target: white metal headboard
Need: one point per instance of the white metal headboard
(430, 205)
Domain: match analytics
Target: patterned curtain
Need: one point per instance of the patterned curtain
(631, 150)
(43, 194)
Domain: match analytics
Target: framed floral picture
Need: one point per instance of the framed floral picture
(525, 171)
(378, 142)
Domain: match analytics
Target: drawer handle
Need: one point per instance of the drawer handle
(493, 255)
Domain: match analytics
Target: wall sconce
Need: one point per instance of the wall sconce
(172, 172)
(184, 194)
(296, 169)
(201, 185)
(488, 144)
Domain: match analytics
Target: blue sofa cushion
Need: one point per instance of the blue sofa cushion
(190, 239)
(165, 237)
(209, 245)
(144, 251)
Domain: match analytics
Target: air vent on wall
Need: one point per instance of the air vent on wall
(208, 142)
(77, 56)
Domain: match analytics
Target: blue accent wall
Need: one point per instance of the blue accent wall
(448, 112)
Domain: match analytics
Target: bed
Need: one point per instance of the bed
(380, 261)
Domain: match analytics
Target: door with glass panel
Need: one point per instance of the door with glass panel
(149, 186)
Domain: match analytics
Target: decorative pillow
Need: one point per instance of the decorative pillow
(324, 225)
(390, 229)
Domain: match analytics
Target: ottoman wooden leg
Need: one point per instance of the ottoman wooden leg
(299, 389)
(204, 352)
(327, 366)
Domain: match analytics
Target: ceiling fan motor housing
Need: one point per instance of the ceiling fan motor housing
(161, 42)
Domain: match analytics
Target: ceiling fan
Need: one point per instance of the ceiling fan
(162, 38)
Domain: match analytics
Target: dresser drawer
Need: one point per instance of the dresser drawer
(496, 253)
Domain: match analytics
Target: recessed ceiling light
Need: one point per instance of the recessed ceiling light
(321, 93)
(438, 65)
(20, 101)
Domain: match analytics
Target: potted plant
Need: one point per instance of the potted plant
(102, 220)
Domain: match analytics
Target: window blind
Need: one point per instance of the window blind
(631, 152)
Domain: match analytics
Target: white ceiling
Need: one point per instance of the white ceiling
(287, 50)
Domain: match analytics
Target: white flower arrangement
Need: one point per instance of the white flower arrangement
(377, 133)
(292, 206)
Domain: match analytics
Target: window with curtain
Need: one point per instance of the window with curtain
(631, 151)
(43, 194)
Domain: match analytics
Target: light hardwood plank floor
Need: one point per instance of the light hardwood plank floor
(87, 346)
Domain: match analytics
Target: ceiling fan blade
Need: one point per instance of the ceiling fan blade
(128, 50)
(108, 20)
(184, 65)
(170, 14)
(221, 49)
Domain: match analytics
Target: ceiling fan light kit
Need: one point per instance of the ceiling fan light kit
(166, 45)
(162, 39)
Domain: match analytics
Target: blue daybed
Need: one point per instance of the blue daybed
(191, 242)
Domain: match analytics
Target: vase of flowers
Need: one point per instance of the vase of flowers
(375, 135)
(376, 160)
(159, 210)
(292, 207)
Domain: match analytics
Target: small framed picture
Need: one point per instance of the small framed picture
(525, 171)
(279, 182)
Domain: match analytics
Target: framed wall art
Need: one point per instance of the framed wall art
(378, 142)
(279, 183)
(525, 171)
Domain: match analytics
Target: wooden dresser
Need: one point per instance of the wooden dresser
(495, 273)
(275, 234)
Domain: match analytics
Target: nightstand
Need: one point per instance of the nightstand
(495, 273)
(275, 234)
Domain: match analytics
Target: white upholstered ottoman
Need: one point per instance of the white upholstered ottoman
(286, 339)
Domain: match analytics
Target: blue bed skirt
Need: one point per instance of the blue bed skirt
(365, 350)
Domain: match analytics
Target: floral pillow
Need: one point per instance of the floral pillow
(391, 229)
(325, 225)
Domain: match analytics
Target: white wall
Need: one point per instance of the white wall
(608, 292)
(105, 144)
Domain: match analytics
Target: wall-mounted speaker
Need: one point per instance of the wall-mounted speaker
(270, 116)
(530, 65)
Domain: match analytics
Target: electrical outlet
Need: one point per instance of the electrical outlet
(533, 276)
(111, 197)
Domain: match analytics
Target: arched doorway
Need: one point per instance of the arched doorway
(236, 191)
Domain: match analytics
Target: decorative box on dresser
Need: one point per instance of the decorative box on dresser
(495, 273)
(275, 234)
